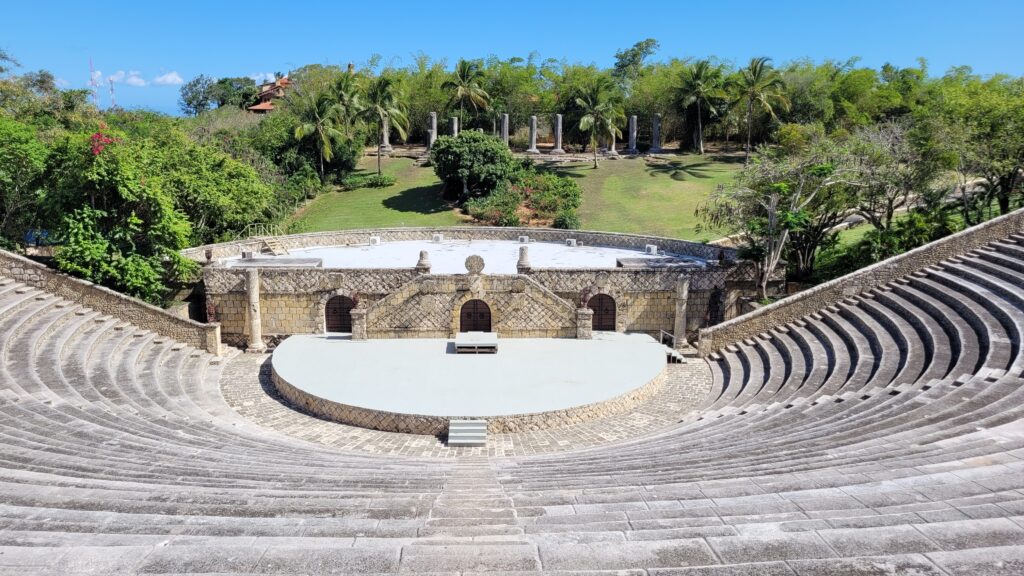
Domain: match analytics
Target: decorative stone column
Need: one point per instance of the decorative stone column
(533, 136)
(611, 148)
(386, 137)
(504, 128)
(632, 136)
(656, 134)
(523, 265)
(423, 265)
(584, 323)
(453, 125)
(558, 135)
(252, 292)
(358, 323)
(682, 296)
(431, 130)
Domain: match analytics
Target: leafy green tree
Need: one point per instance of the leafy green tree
(196, 95)
(773, 198)
(385, 106)
(702, 86)
(759, 87)
(466, 88)
(473, 162)
(629, 63)
(602, 114)
(7, 62)
(22, 164)
(238, 91)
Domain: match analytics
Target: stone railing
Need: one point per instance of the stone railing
(106, 301)
(345, 237)
(814, 299)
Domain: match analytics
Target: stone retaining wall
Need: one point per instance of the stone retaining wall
(438, 425)
(814, 299)
(106, 301)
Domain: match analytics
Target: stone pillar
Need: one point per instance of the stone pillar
(386, 137)
(533, 136)
(656, 134)
(523, 265)
(431, 130)
(453, 125)
(584, 323)
(632, 136)
(504, 128)
(558, 135)
(423, 265)
(611, 148)
(682, 296)
(358, 323)
(252, 292)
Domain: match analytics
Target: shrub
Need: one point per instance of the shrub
(356, 181)
(548, 194)
(567, 220)
(472, 164)
(499, 208)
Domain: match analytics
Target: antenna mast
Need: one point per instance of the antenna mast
(94, 85)
(113, 102)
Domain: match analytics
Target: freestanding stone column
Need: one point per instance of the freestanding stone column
(611, 147)
(679, 326)
(386, 137)
(656, 134)
(252, 292)
(453, 125)
(533, 136)
(523, 265)
(632, 136)
(558, 135)
(504, 128)
(358, 323)
(584, 323)
(431, 130)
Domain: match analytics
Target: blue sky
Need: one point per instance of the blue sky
(149, 47)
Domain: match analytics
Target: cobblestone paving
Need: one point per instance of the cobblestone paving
(247, 388)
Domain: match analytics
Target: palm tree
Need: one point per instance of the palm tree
(465, 84)
(321, 117)
(702, 85)
(385, 107)
(601, 114)
(761, 85)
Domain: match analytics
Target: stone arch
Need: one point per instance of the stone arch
(604, 307)
(320, 311)
(496, 315)
(475, 316)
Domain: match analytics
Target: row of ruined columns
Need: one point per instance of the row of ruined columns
(453, 129)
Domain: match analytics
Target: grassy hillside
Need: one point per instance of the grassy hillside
(655, 196)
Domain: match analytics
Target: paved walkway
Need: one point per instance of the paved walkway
(247, 387)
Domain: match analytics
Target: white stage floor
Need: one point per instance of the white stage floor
(426, 377)
(449, 256)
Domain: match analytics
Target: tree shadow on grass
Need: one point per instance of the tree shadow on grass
(680, 170)
(421, 200)
(567, 171)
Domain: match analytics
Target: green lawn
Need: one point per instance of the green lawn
(649, 196)
(415, 200)
(627, 195)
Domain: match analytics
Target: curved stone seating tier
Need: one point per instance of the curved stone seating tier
(879, 435)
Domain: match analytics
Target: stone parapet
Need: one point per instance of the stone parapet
(106, 301)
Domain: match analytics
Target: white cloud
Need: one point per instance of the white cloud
(261, 77)
(169, 79)
(62, 83)
(97, 76)
(131, 78)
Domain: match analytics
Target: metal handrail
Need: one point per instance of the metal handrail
(668, 335)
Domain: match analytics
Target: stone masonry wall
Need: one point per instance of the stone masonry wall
(202, 336)
(799, 305)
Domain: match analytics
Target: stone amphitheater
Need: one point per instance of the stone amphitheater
(871, 425)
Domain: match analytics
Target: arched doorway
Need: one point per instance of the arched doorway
(338, 314)
(475, 316)
(603, 306)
